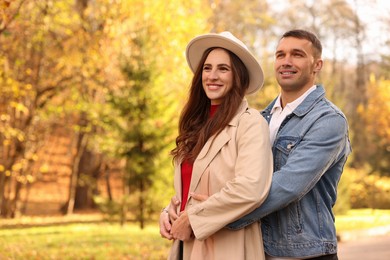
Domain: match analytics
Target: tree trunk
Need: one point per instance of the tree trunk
(89, 171)
(108, 185)
(141, 205)
(81, 144)
(14, 211)
(2, 193)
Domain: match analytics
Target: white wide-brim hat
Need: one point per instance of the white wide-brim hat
(197, 46)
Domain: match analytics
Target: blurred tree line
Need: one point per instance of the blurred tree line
(111, 76)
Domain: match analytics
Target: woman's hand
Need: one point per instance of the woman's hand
(168, 215)
(169, 228)
(181, 228)
(165, 225)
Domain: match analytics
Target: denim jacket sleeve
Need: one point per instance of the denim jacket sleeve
(309, 155)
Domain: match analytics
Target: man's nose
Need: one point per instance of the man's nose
(287, 60)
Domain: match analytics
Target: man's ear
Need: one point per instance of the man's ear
(318, 65)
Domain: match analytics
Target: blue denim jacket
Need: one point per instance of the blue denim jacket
(310, 150)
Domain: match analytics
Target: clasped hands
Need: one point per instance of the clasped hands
(174, 226)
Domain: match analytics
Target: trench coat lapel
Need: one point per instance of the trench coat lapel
(206, 155)
(212, 147)
(208, 152)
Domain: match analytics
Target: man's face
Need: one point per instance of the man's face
(295, 65)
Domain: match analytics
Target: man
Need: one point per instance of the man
(310, 147)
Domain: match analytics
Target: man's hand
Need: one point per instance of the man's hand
(199, 197)
(168, 215)
(181, 228)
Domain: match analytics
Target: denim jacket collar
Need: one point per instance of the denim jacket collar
(305, 106)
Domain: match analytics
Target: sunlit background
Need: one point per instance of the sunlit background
(91, 91)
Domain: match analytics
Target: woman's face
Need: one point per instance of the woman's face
(217, 75)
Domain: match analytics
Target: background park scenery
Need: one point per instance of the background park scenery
(90, 96)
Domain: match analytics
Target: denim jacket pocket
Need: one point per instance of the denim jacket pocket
(282, 149)
(296, 217)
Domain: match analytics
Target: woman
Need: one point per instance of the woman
(222, 151)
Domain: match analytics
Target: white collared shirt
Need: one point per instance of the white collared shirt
(279, 114)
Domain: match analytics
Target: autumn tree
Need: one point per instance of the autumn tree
(143, 134)
(87, 62)
(52, 82)
(148, 45)
(375, 117)
(25, 94)
(112, 77)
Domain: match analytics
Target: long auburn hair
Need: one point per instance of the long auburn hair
(195, 124)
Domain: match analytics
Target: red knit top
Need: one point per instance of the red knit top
(186, 171)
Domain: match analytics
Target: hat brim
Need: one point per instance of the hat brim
(197, 46)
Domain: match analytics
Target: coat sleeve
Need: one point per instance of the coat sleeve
(250, 185)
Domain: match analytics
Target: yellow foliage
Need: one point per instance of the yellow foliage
(376, 113)
(44, 168)
(367, 190)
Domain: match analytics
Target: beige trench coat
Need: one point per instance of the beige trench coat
(235, 169)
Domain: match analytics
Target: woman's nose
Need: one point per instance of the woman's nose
(213, 74)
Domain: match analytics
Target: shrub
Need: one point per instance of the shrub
(369, 190)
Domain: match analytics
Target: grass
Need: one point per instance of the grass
(101, 240)
(83, 241)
